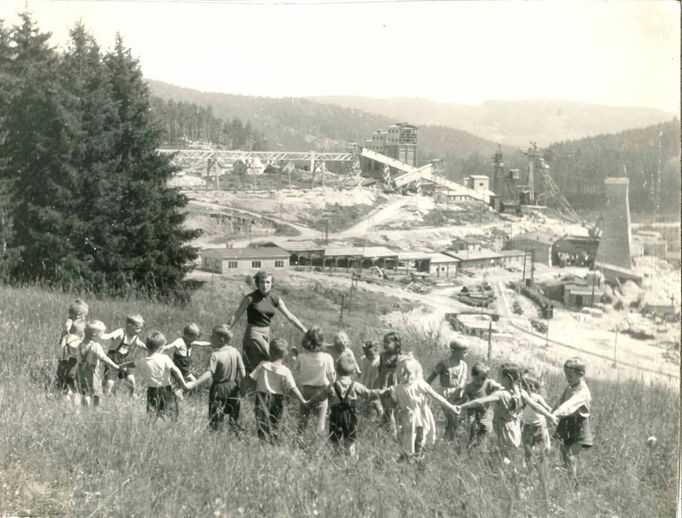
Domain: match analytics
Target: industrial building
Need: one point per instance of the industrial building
(479, 259)
(540, 243)
(228, 260)
(398, 141)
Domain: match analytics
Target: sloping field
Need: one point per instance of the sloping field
(55, 460)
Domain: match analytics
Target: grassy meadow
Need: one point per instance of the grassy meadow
(56, 460)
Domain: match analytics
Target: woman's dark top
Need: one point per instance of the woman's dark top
(260, 311)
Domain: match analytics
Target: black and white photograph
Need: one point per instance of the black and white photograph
(317, 258)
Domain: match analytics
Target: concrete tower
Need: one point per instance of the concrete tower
(615, 246)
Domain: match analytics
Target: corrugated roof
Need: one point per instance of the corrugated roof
(368, 251)
(300, 246)
(413, 256)
(470, 255)
(541, 237)
(437, 257)
(246, 253)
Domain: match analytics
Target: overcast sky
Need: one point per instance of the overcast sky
(616, 52)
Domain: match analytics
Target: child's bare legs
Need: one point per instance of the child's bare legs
(452, 422)
(130, 384)
(568, 455)
(109, 387)
(318, 411)
(418, 441)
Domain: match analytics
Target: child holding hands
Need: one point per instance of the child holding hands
(574, 430)
(89, 355)
(225, 371)
(508, 404)
(156, 371)
(417, 426)
(273, 381)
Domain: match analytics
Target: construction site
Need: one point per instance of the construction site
(501, 257)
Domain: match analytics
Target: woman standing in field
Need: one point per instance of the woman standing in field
(260, 306)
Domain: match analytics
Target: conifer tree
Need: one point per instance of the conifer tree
(36, 152)
(152, 246)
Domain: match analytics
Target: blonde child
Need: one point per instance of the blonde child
(78, 310)
(534, 425)
(574, 430)
(181, 349)
(388, 363)
(342, 396)
(480, 418)
(314, 371)
(417, 426)
(155, 371)
(273, 381)
(89, 355)
(369, 368)
(452, 375)
(225, 371)
(124, 343)
(341, 348)
(66, 368)
(508, 404)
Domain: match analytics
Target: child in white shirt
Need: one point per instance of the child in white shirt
(181, 349)
(314, 371)
(273, 382)
(155, 371)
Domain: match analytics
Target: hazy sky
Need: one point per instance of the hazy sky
(615, 52)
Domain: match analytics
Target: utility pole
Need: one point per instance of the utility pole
(490, 339)
(615, 349)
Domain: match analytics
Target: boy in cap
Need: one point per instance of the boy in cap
(452, 374)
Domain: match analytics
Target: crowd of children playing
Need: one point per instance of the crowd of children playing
(328, 382)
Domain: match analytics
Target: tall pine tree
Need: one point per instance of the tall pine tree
(152, 246)
(40, 137)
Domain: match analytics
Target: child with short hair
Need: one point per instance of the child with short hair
(480, 418)
(369, 368)
(534, 425)
(181, 348)
(508, 404)
(341, 348)
(89, 355)
(273, 381)
(156, 371)
(417, 426)
(574, 430)
(314, 371)
(122, 349)
(66, 367)
(342, 395)
(78, 310)
(452, 374)
(387, 378)
(225, 370)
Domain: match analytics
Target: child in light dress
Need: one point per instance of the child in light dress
(341, 348)
(508, 404)
(90, 354)
(534, 431)
(369, 372)
(416, 426)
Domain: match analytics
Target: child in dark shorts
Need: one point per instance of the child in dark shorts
(574, 431)
(225, 370)
(156, 371)
(122, 350)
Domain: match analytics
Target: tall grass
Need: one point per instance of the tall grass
(111, 461)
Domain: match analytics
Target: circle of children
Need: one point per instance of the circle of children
(327, 377)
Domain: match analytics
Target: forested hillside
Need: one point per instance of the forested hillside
(514, 123)
(296, 124)
(580, 166)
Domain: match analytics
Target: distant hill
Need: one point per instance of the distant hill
(580, 166)
(299, 124)
(515, 123)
